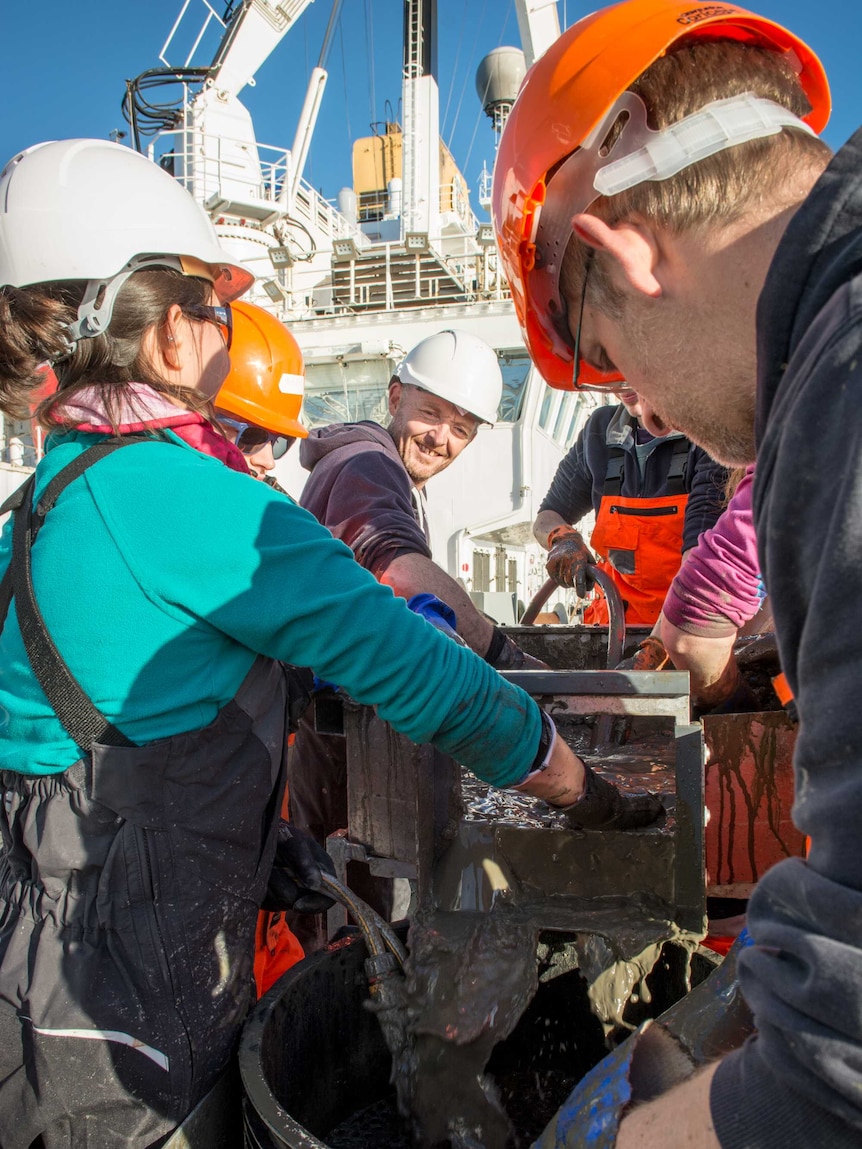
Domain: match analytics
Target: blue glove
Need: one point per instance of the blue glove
(658, 1056)
(646, 1065)
(438, 613)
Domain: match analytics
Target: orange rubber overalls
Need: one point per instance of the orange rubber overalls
(639, 541)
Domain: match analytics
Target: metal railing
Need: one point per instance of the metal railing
(220, 168)
(455, 199)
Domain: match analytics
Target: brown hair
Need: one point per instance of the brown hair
(734, 477)
(721, 187)
(33, 326)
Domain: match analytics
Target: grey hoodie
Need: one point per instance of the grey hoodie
(359, 489)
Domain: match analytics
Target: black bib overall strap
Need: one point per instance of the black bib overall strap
(614, 472)
(678, 469)
(24, 494)
(83, 721)
(676, 472)
(13, 502)
(129, 891)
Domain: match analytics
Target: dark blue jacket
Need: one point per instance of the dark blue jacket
(799, 1081)
(577, 486)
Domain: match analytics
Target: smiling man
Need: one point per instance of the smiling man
(667, 214)
(367, 485)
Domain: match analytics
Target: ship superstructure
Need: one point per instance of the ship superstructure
(398, 256)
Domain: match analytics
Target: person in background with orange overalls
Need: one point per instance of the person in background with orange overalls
(653, 497)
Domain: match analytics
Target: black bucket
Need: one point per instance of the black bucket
(312, 1056)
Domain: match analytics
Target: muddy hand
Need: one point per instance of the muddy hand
(740, 700)
(509, 656)
(568, 559)
(294, 882)
(649, 655)
(603, 807)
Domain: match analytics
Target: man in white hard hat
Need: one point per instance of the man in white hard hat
(367, 485)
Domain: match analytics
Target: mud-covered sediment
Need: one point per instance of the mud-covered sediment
(515, 869)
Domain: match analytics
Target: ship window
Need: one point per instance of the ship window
(550, 408)
(345, 392)
(545, 413)
(561, 424)
(500, 569)
(515, 367)
(574, 422)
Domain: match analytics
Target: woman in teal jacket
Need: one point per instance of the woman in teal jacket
(150, 595)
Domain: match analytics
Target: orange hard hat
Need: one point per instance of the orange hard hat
(266, 381)
(551, 163)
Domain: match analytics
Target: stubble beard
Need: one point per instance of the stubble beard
(418, 470)
(729, 440)
(713, 402)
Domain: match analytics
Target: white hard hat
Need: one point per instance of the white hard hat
(459, 367)
(96, 211)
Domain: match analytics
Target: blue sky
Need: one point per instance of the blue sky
(63, 67)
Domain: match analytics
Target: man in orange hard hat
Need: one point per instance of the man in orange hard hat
(667, 215)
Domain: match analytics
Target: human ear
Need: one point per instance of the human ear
(170, 336)
(394, 395)
(632, 246)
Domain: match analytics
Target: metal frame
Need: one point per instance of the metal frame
(405, 807)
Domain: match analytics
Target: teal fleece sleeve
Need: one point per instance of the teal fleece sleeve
(213, 546)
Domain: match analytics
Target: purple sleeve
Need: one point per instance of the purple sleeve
(370, 508)
(719, 588)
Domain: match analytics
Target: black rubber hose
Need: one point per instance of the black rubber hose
(616, 611)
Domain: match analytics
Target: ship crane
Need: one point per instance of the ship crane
(224, 154)
(255, 192)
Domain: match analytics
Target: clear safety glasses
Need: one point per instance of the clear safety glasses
(584, 377)
(576, 374)
(621, 152)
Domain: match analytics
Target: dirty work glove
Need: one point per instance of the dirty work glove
(300, 684)
(505, 654)
(649, 655)
(294, 883)
(603, 807)
(568, 559)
